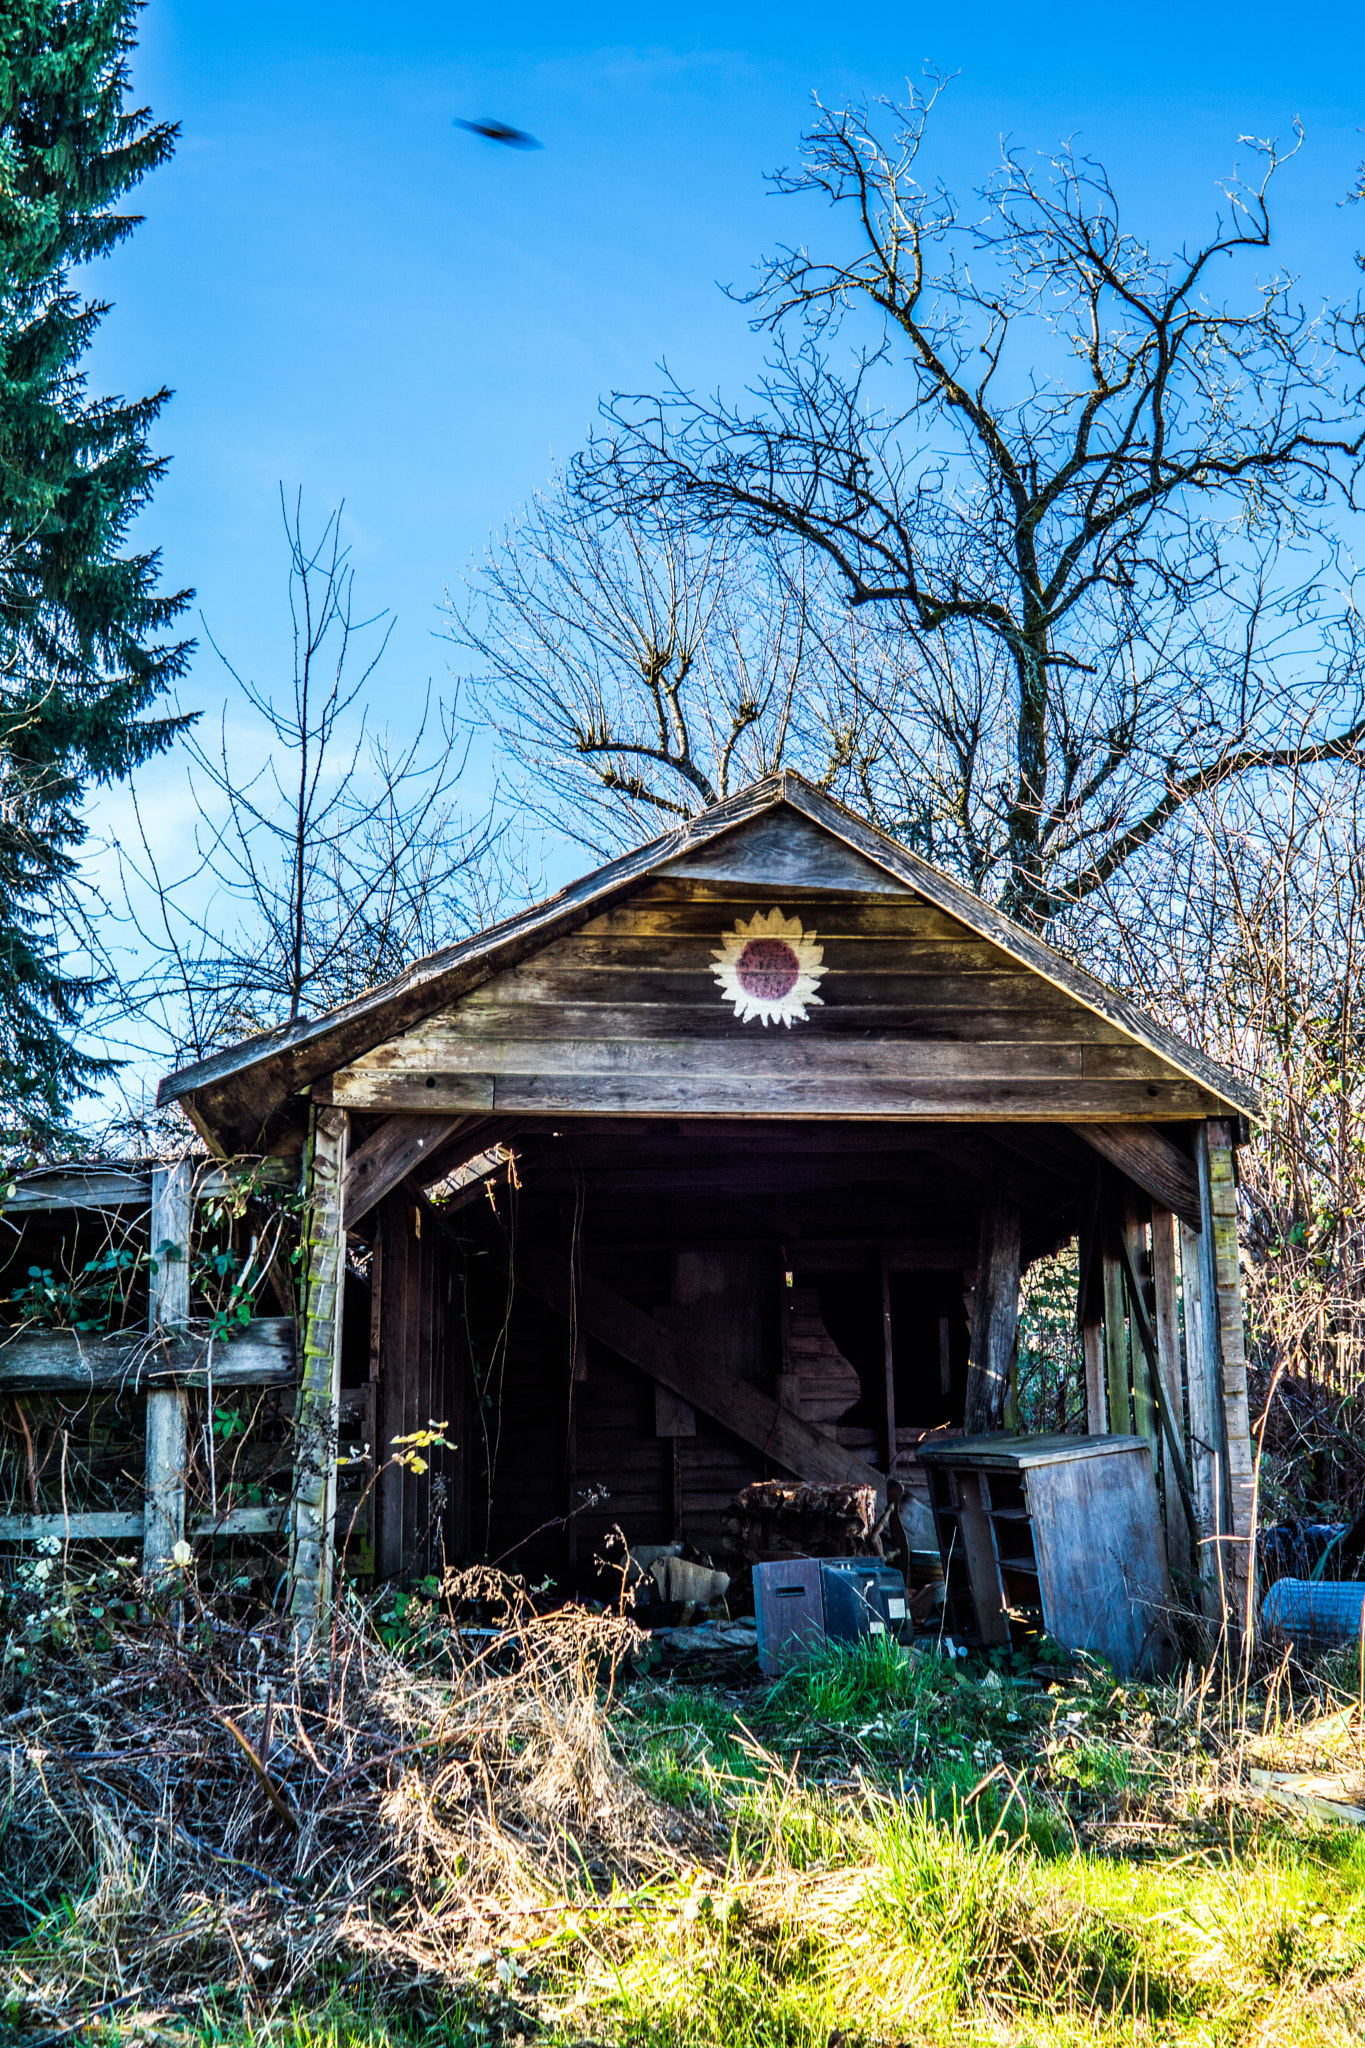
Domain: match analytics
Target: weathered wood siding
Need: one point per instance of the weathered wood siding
(917, 1015)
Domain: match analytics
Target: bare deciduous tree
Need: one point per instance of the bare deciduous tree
(1247, 934)
(1039, 456)
(325, 863)
(638, 669)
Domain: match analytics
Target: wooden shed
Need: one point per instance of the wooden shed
(725, 1162)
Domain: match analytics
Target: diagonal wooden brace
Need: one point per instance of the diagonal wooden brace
(670, 1359)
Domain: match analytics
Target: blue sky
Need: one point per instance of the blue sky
(350, 294)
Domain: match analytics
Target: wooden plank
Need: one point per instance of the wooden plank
(1021, 1453)
(598, 958)
(1134, 1227)
(983, 1569)
(665, 910)
(234, 1095)
(1021, 944)
(1232, 1352)
(168, 1312)
(1096, 1531)
(110, 1525)
(801, 1447)
(1205, 1413)
(1143, 1345)
(79, 1188)
(672, 1415)
(748, 1052)
(700, 1015)
(394, 1151)
(64, 1361)
(96, 1525)
(1151, 1161)
(396, 1238)
(1092, 1352)
(533, 1094)
(1116, 1369)
(889, 1364)
(1166, 1321)
(893, 988)
(995, 1315)
(315, 1429)
(780, 846)
(116, 1187)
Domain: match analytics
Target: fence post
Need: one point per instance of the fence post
(315, 1422)
(168, 1311)
(1232, 1381)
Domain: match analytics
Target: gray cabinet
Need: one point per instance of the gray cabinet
(1055, 1533)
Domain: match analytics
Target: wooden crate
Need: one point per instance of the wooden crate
(1054, 1533)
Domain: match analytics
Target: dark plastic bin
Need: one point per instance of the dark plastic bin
(789, 1612)
(863, 1599)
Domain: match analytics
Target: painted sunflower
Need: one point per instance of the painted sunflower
(769, 968)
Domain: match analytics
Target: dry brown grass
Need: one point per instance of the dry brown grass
(228, 1809)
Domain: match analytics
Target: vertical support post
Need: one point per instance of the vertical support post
(1116, 1344)
(169, 1310)
(945, 1356)
(1144, 1401)
(889, 1364)
(1227, 1275)
(1089, 1307)
(676, 1461)
(315, 1422)
(390, 1418)
(578, 1372)
(1166, 1323)
(995, 1316)
(1092, 1351)
(1206, 1435)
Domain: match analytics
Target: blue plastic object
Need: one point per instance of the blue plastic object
(1316, 1614)
(1300, 1550)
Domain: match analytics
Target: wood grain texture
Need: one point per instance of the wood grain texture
(315, 1432)
(168, 1312)
(773, 1058)
(1205, 1418)
(62, 1361)
(779, 835)
(1151, 1161)
(1134, 1227)
(969, 1101)
(1166, 1322)
(630, 1020)
(395, 1150)
(988, 1593)
(79, 1188)
(995, 1314)
(1232, 1352)
(643, 1341)
(782, 846)
(1102, 1569)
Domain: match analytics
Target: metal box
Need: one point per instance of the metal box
(863, 1599)
(789, 1610)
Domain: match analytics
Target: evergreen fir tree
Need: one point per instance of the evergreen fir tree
(84, 656)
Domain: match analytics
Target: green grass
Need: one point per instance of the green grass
(895, 1850)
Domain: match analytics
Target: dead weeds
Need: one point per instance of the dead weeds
(222, 1812)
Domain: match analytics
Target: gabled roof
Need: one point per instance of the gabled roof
(236, 1097)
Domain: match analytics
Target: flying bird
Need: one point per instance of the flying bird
(499, 131)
